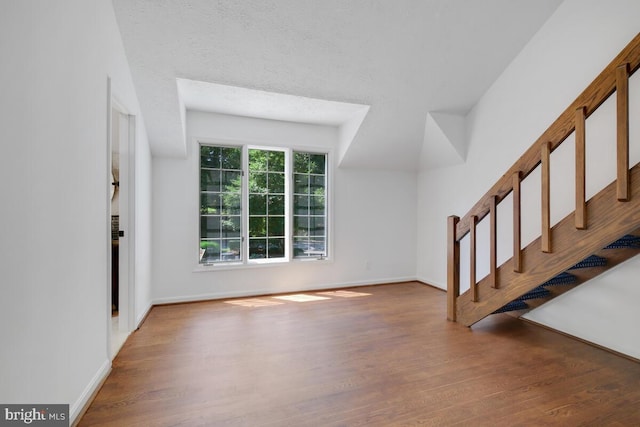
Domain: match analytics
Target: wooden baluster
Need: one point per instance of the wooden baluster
(493, 241)
(581, 204)
(545, 156)
(622, 95)
(517, 229)
(453, 267)
(472, 261)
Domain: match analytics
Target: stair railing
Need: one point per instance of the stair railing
(614, 78)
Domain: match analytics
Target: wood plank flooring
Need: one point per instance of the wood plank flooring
(384, 359)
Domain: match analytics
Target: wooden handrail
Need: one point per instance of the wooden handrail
(614, 78)
(590, 99)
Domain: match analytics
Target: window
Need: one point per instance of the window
(276, 211)
(309, 207)
(220, 204)
(266, 204)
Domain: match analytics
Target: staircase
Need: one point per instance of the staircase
(612, 255)
(599, 234)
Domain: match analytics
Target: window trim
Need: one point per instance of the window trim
(288, 259)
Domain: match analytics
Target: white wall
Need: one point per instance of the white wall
(56, 57)
(373, 220)
(569, 51)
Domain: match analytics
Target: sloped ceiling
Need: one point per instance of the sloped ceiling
(400, 60)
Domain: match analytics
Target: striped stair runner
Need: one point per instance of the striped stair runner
(565, 278)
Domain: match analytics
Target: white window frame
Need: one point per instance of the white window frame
(245, 261)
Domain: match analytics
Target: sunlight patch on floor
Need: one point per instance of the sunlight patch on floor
(253, 302)
(301, 298)
(343, 294)
(281, 299)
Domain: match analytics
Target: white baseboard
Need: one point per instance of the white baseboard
(89, 392)
(270, 291)
(434, 283)
(140, 318)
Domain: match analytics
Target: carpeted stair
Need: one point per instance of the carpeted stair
(566, 278)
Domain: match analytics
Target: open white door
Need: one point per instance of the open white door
(121, 173)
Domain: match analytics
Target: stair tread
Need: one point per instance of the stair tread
(512, 306)
(627, 241)
(538, 292)
(561, 279)
(590, 261)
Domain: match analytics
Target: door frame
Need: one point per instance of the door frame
(126, 303)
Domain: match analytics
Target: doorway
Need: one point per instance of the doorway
(120, 171)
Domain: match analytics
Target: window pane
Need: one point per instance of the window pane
(209, 226)
(276, 183)
(317, 184)
(301, 184)
(231, 157)
(275, 248)
(317, 163)
(301, 162)
(257, 204)
(230, 226)
(230, 250)
(318, 246)
(258, 160)
(304, 247)
(276, 205)
(210, 180)
(258, 182)
(231, 182)
(276, 226)
(258, 226)
(209, 156)
(209, 250)
(209, 203)
(257, 248)
(276, 161)
(316, 225)
(231, 204)
(301, 205)
(301, 225)
(316, 205)
(301, 246)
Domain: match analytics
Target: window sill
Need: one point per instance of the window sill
(205, 268)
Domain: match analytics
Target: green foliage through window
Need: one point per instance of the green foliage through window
(270, 225)
(266, 204)
(220, 203)
(309, 207)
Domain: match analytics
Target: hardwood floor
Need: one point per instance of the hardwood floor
(384, 359)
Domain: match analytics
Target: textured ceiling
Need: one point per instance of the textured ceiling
(403, 58)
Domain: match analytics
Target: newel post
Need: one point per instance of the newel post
(453, 267)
